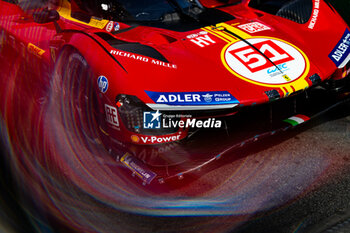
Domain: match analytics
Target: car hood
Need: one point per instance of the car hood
(248, 61)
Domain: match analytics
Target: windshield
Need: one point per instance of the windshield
(180, 15)
(151, 10)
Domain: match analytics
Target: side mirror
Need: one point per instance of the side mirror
(46, 16)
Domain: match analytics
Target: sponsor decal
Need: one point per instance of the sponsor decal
(109, 26)
(208, 98)
(195, 35)
(151, 120)
(192, 98)
(130, 55)
(112, 26)
(38, 52)
(273, 71)
(315, 13)
(143, 59)
(160, 139)
(203, 41)
(111, 115)
(138, 167)
(116, 26)
(248, 64)
(254, 61)
(340, 55)
(102, 83)
(286, 77)
(254, 27)
(297, 120)
(135, 138)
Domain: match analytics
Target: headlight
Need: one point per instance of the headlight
(131, 111)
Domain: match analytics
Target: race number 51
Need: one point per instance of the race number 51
(255, 61)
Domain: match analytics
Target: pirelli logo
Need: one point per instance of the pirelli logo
(35, 50)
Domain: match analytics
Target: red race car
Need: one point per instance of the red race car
(154, 72)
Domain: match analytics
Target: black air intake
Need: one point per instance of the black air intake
(129, 47)
(298, 11)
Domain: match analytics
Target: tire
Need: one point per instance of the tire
(75, 96)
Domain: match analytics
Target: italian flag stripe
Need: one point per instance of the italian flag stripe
(296, 120)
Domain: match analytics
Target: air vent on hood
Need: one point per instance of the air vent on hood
(132, 47)
(298, 11)
(273, 95)
(315, 79)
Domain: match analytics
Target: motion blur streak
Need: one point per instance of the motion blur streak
(74, 178)
(58, 159)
